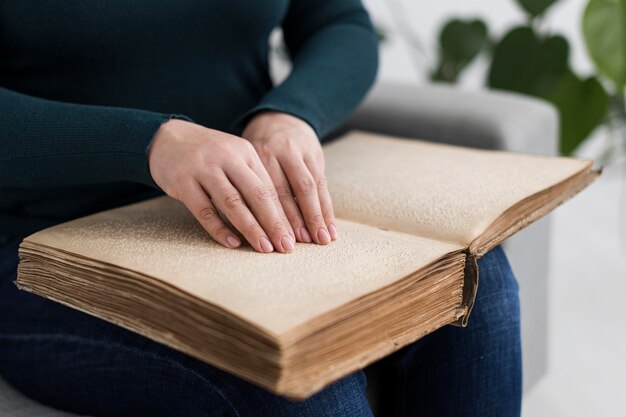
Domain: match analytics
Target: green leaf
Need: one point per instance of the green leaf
(460, 42)
(604, 29)
(583, 105)
(528, 64)
(535, 7)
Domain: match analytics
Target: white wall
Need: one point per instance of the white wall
(427, 17)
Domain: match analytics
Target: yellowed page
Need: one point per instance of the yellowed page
(274, 291)
(438, 191)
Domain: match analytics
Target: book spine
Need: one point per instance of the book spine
(470, 286)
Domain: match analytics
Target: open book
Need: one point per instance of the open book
(413, 217)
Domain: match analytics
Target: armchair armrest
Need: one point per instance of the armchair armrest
(442, 113)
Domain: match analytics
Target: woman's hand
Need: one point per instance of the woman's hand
(195, 164)
(292, 154)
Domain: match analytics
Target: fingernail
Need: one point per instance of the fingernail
(304, 235)
(323, 236)
(333, 231)
(233, 241)
(287, 243)
(265, 244)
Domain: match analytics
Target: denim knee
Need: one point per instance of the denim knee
(88, 376)
(344, 398)
(498, 289)
(494, 323)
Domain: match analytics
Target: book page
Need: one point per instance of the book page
(432, 190)
(274, 291)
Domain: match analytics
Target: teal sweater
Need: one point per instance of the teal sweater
(84, 85)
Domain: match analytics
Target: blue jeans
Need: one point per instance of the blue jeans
(78, 363)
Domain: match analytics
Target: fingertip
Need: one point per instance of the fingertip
(333, 231)
(287, 243)
(322, 236)
(266, 245)
(304, 235)
(233, 241)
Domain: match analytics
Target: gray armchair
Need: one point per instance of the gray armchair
(485, 119)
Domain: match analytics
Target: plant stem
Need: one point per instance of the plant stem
(399, 14)
(619, 105)
(619, 109)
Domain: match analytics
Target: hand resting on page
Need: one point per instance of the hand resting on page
(207, 169)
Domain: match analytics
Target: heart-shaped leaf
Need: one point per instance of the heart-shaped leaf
(582, 105)
(460, 42)
(604, 29)
(528, 64)
(535, 7)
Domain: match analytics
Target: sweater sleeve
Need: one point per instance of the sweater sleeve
(51, 143)
(334, 51)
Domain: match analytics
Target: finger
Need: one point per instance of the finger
(262, 201)
(303, 184)
(287, 201)
(200, 205)
(230, 201)
(326, 203)
(263, 173)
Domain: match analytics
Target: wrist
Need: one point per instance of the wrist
(267, 122)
